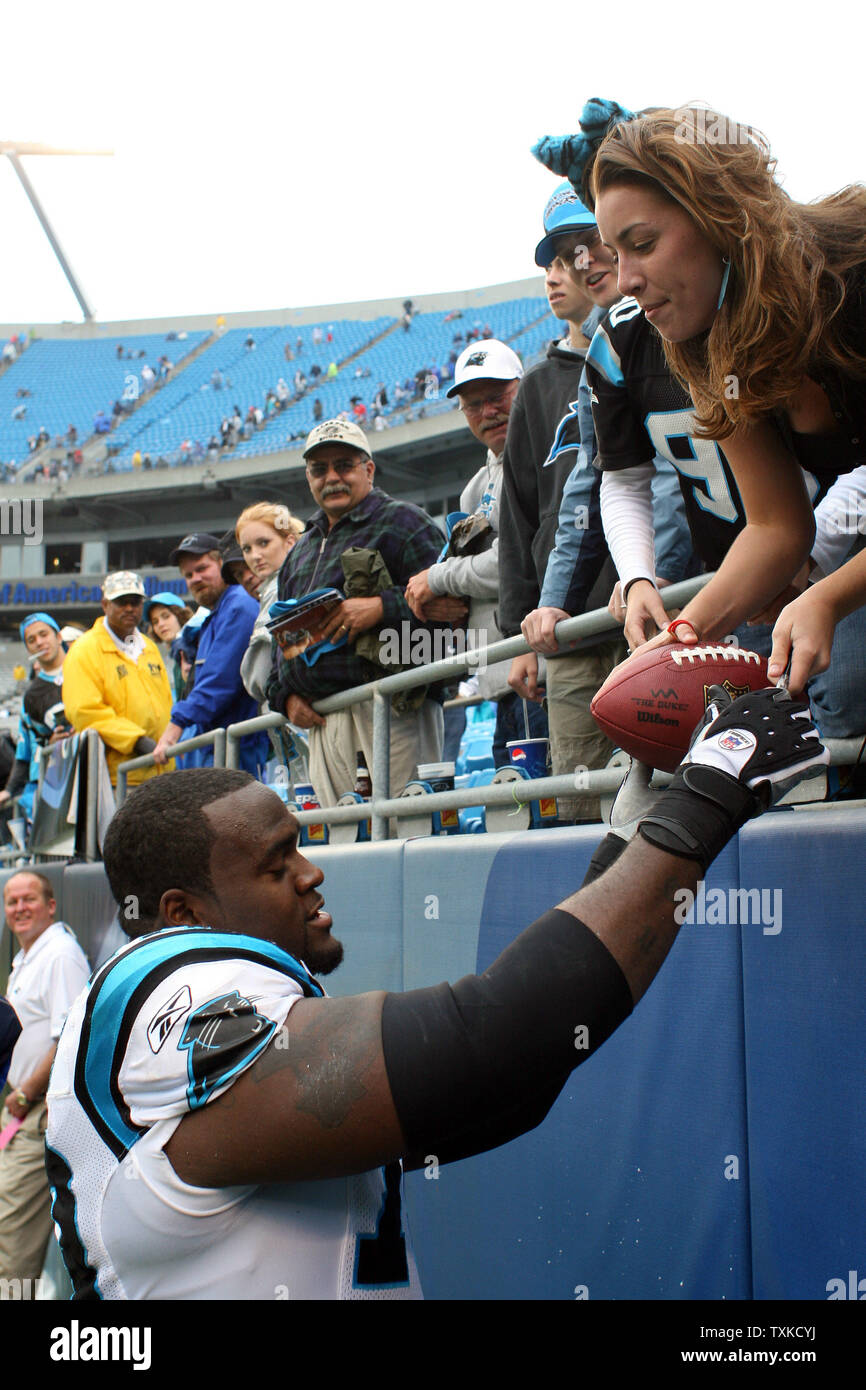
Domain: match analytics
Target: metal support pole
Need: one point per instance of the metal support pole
(51, 235)
(91, 847)
(381, 769)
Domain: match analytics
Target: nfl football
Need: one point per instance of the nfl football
(651, 706)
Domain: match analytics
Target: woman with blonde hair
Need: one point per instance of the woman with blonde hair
(759, 302)
(265, 532)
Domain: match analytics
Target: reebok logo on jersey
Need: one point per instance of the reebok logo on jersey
(167, 1016)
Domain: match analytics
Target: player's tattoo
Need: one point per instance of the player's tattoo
(328, 1059)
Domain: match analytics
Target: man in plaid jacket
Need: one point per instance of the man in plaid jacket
(355, 514)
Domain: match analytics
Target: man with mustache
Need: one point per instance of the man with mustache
(487, 375)
(353, 513)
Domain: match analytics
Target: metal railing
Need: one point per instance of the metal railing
(571, 634)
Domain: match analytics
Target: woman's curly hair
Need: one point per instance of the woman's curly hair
(781, 317)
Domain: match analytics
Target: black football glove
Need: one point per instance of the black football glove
(744, 755)
(765, 739)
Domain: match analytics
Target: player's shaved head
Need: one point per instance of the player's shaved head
(162, 839)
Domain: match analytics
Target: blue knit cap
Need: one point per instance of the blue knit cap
(569, 155)
(37, 618)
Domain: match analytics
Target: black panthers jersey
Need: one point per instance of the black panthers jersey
(639, 409)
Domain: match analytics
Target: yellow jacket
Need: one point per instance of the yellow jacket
(122, 699)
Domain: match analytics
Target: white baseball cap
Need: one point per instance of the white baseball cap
(337, 432)
(122, 582)
(487, 360)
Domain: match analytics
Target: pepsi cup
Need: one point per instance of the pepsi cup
(530, 754)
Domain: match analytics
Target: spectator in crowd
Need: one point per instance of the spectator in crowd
(43, 719)
(318, 411)
(317, 336)
(265, 533)
(354, 513)
(10, 1032)
(115, 681)
(544, 440)
(48, 971)
(217, 698)
(72, 436)
(332, 371)
(167, 615)
(486, 381)
(234, 568)
(587, 265)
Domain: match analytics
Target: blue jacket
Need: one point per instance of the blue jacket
(673, 543)
(218, 697)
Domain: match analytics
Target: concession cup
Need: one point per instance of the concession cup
(530, 754)
(440, 778)
(307, 800)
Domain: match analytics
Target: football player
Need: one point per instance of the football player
(218, 1128)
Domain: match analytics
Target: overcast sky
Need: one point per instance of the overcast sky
(277, 155)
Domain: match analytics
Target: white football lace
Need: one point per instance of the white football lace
(693, 654)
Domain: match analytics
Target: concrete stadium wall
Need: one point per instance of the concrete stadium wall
(715, 1147)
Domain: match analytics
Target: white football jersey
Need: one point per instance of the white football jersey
(165, 1026)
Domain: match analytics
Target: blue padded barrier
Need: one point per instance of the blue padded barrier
(622, 1189)
(805, 1012)
(363, 892)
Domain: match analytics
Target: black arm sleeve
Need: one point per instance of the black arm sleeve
(475, 1064)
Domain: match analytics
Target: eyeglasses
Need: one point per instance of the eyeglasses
(577, 254)
(495, 398)
(341, 466)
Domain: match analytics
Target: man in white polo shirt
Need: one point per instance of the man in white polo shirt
(48, 971)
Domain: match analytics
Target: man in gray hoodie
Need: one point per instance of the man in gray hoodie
(486, 377)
